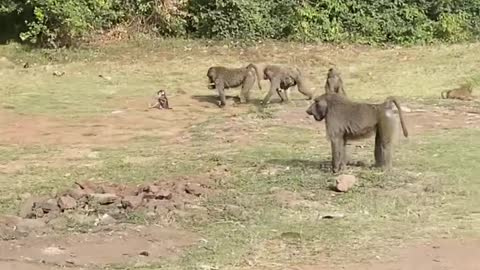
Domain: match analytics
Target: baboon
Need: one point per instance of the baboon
(334, 82)
(282, 78)
(463, 92)
(161, 101)
(222, 78)
(347, 120)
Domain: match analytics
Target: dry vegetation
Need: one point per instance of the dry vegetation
(268, 192)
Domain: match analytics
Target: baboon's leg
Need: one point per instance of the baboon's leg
(287, 94)
(280, 94)
(302, 89)
(156, 105)
(274, 85)
(338, 154)
(246, 87)
(384, 147)
(221, 93)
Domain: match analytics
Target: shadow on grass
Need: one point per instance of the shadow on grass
(324, 166)
(214, 99)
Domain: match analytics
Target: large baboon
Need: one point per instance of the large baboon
(347, 120)
(334, 82)
(463, 92)
(281, 79)
(222, 78)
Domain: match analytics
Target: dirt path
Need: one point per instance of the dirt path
(134, 245)
(439, 255)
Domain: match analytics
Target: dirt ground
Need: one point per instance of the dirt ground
(137, 246)
(438, 255)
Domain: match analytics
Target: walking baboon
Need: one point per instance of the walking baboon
(282, 78)
(463, 92)
(161, 101)
(222, 78)
(347, 120)
(334, 82)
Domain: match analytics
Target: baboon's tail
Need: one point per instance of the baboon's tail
(404, 127)
(257, 73)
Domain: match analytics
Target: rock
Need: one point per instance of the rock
(345, 182)
(48, 206)
(152, 188)
(39, 213)
(103, 199)
(106, 219)
(163, 194)
(194, 189)
(89, 187)
(58, 73)
(67, 202)
(145, 253)
(132, 202)
(27, 208)
(78, 193)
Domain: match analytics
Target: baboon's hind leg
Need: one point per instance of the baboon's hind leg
(246, 87)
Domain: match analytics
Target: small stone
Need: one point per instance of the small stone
(106, 219)
(103, 199)
(58, 73)
(163, 194)
(39, 213)
(194, 189)
(345, 182)
(132, 202)
(153, 189)
(77, 193)
(67, 202)
(145, 253)
(48, 206)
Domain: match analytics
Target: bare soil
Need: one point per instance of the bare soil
(133, 245)
(439, 255)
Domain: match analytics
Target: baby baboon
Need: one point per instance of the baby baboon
(283, 78)
(334, 83)
(463, 92)
(222, 78)
(347, 120)
(161, 101)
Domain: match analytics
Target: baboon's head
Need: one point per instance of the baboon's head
(211, 74)
(319, 107)
(161, 93)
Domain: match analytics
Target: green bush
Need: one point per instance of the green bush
(63, 22)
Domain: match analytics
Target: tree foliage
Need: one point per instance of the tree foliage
(64, 22)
